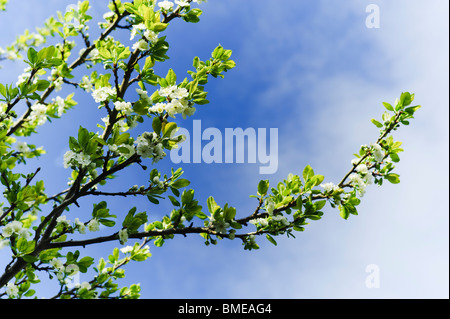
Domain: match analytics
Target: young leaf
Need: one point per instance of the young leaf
(263, 187)
(308, 172)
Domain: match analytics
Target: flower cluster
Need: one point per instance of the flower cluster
(60, 104)
(76, 159)
(12, 290)
(23, 78)
(56, 80)
(377, 152)
(124, 107)
(23, 147)
(15, 228)
(103, 94)
(86, 83)
(122, 149)
(168, 5)
(149, 36)
(329, 188)
(38, 115)
(177, 102)
(92, 226)
(361, 178)
(148, 146)
(62, 270)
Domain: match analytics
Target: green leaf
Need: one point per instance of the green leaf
(270, 238)
(187, 196)
(217, 53)
(411, 110)
(263, 187)
(405, 99)
(3, 90)
(317, 179)
(319, 205)
(171, 77)
(174, 201)
(180, 183)
(84, 263)
(388, 106)
(83, 137)
(229, 213)
(169, 128)
(393, 178)
(377, 124)
(191, 17)
(32, 56)
(30, 258)
(394, 157)
(308, 172)
(140, 107)
(149, 63)
(159, 27)
(344, 213)
(42, 85)
(212, 205)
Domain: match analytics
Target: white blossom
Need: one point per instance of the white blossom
(38, 114)
(329, 187)
(123, 236)
(108, 15)
(61, 103)
(57, 264)
(13, 228)
(23, 147)
(126, 249)
(221, 226)
(72, 158)
(157, 108)
(68, 157)
(80, 226)
(362, 168)
(151, 35)
(166, 91)
(357, 181)
(377, 152)
(58, 84)
(165, 5)
(85, 285)
(262, 221)
(281, 219)
(141, 45)
(86, 83)
(23, 78)
(94, 54)
(270, 206)
(62, 220)
(93, 225)
(12, 290)
(182, 3)
(104, 93)
(179, 93)
(124, 107)
(136, 28)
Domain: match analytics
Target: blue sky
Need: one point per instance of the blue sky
(313, 70)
